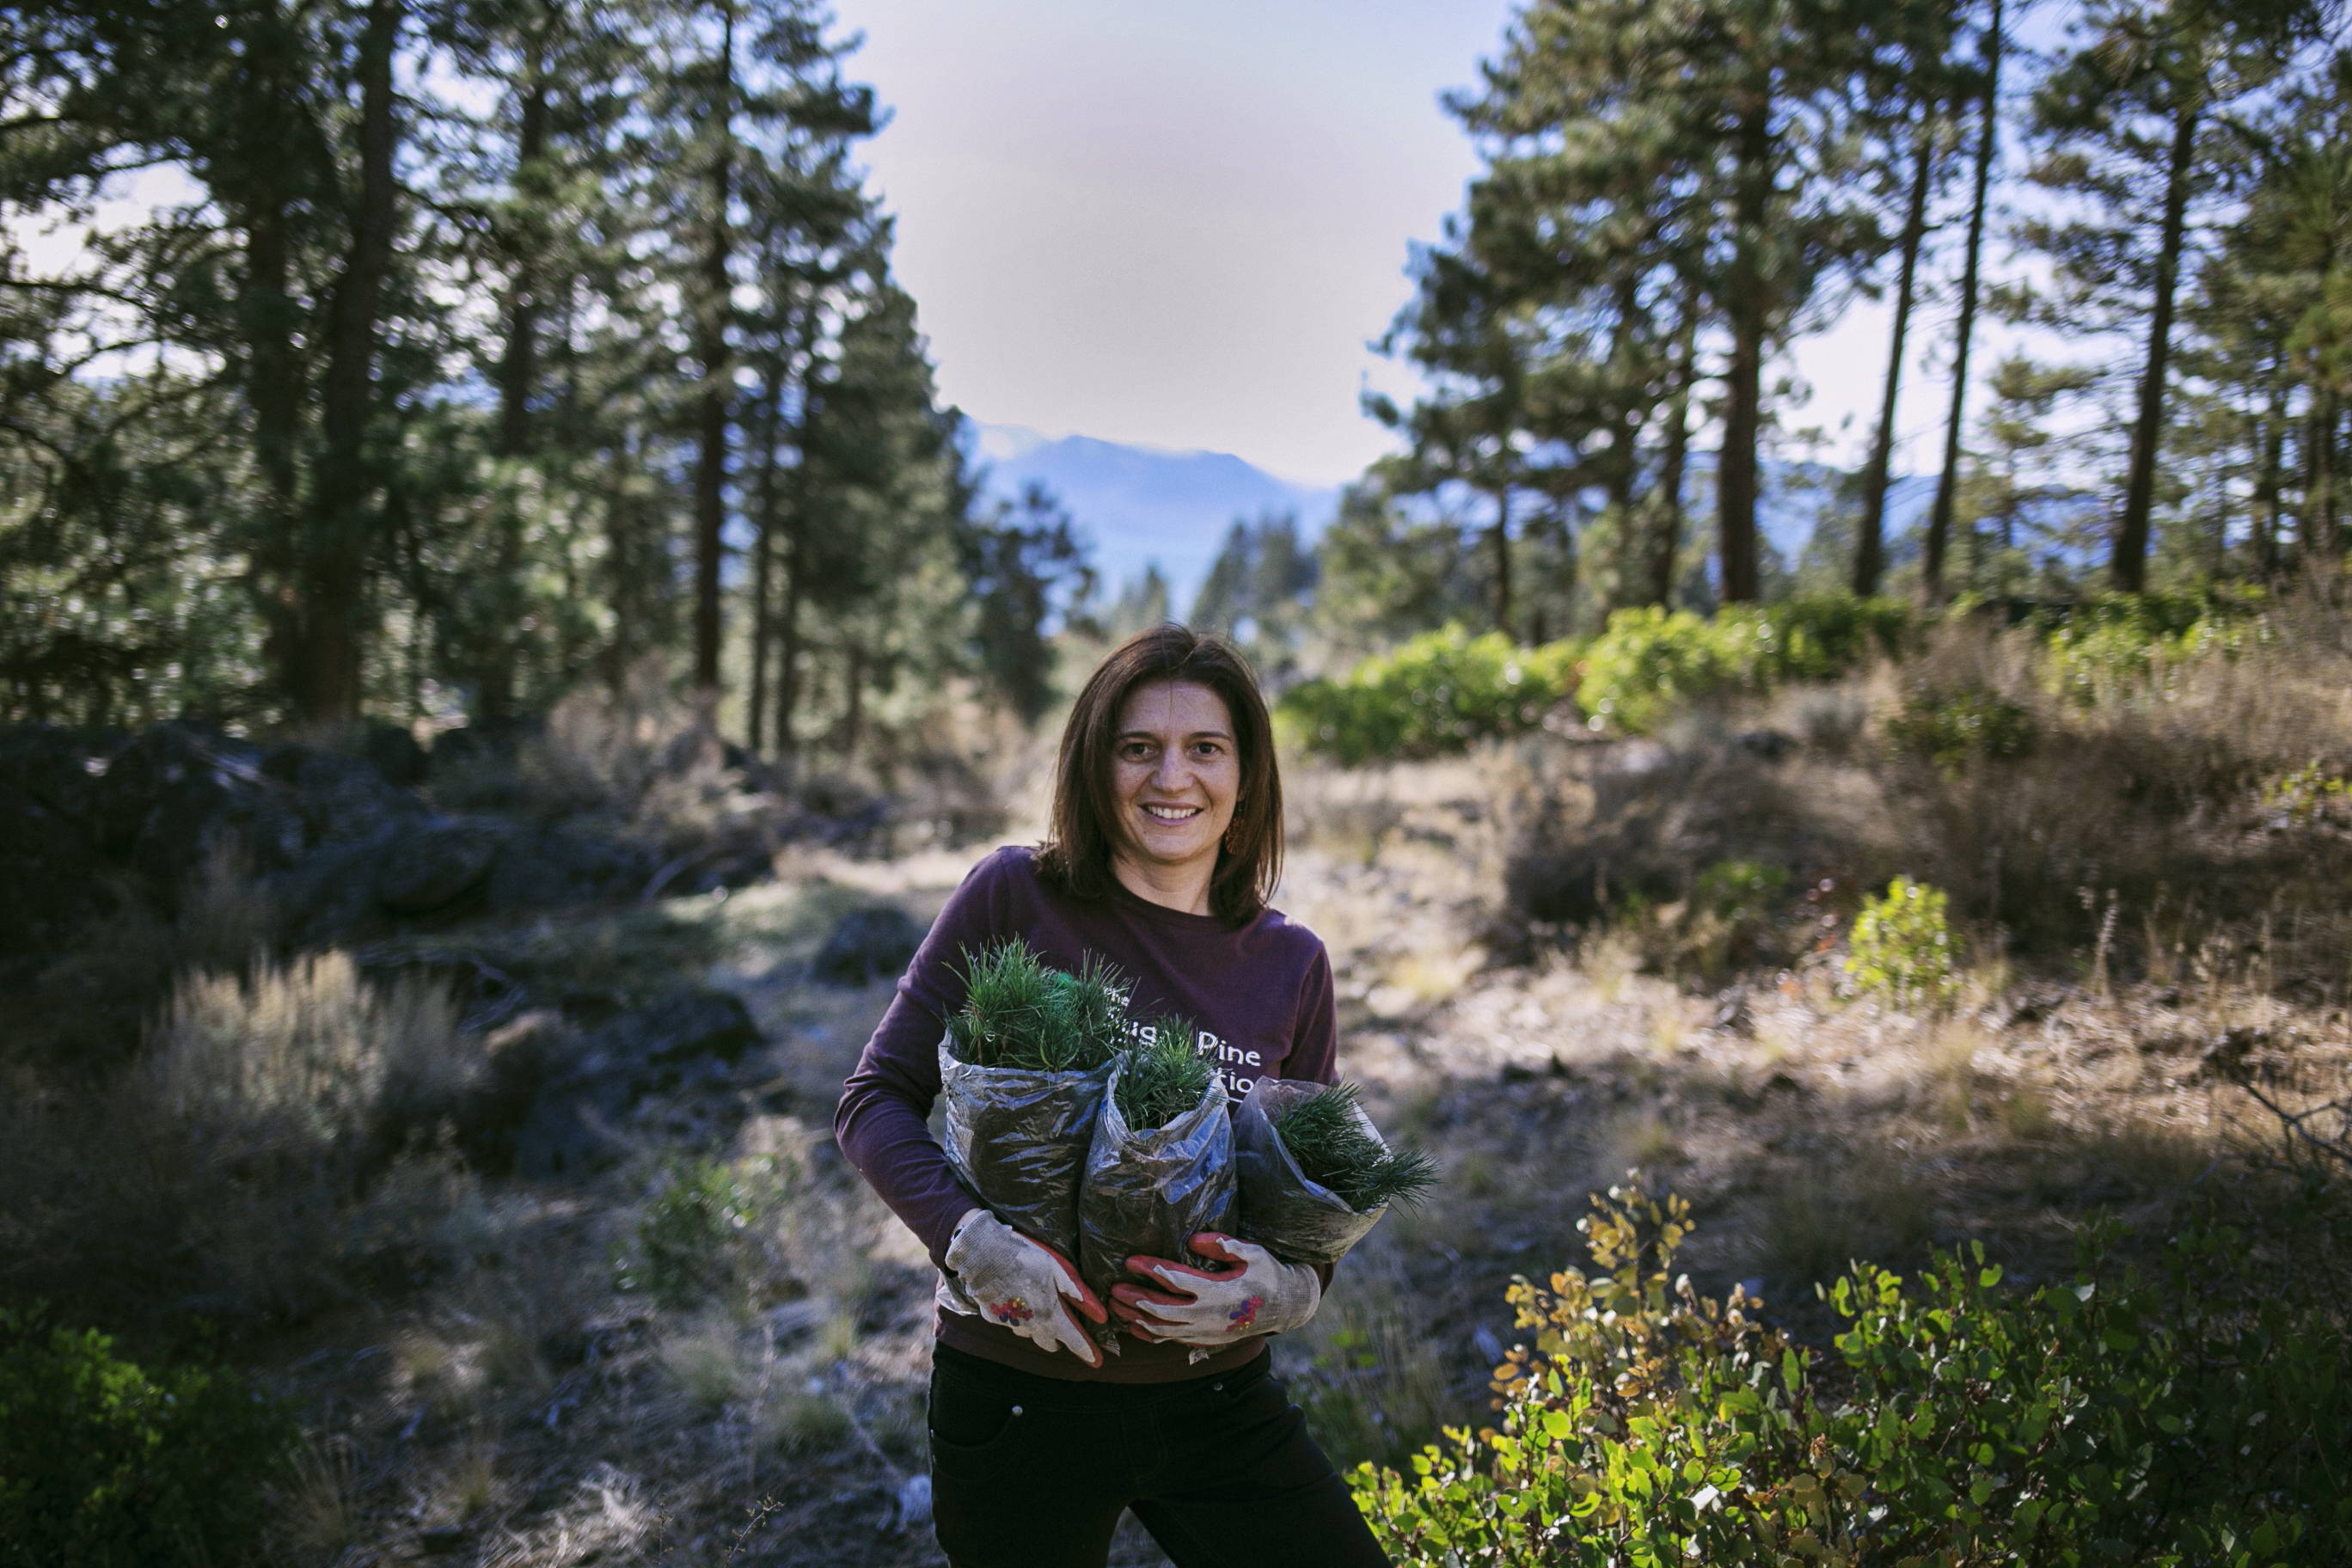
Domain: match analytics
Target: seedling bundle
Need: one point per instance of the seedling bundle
(1162, 1166)
(1105, 1143)
(1314, 1173)
(1022, 1074)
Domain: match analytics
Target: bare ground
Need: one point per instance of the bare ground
(509, 1406)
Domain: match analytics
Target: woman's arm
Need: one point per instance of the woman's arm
(881, 1120)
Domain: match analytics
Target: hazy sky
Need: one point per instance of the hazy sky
(1174, 225)
(1180, 226)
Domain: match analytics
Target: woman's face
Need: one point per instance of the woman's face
(1175, 773)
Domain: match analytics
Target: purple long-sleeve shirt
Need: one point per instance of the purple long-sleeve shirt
(1260, 994)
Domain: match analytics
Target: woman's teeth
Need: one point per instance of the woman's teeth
(1172, 813)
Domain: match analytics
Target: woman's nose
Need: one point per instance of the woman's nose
(1174, 772)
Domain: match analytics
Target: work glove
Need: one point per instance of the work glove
(1258, 1293)
(1022, 1284)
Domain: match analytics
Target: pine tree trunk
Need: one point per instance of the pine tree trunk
(2128, 567)
(2322, 540)
(1947, 484)
(1500, 538)
(764, 547)
(711, 401)
(2269, 454)
(623, 582)
(1870, 548)
(853, 704)
(332, 574)
(518, 383)
(1667, 537)
(788, 631)
(1735, 473)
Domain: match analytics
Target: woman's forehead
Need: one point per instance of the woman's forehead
(1182, 707)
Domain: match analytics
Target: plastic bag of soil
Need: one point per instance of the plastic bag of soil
(1023, 1072)
(1286, 1211)
(1018, 1137)
(1150, 1188)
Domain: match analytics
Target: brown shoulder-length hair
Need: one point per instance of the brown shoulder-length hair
(1076, 856)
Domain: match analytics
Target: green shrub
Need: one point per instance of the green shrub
(1649, 662)
(2094, 1421)
(106, 1465)
(1438, 693)
(2115, 645)
(1948, 729)
(1902, 946)
(692, 1240)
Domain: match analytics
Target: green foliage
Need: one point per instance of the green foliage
(1948, 728)
(1325, 1134)
(2096, 1420)
(2116, 645)
(2310, 793)
(105, 1464)
(1648, 661)
(691, 1239)
(1902, 946)
(1020, 1013)
(1438, 693)
(1164, 1074)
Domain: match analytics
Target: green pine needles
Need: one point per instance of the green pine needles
(1019, 1011)
(1335, 1152)
(1163, 1079)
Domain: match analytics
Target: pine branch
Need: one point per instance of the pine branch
(1335, 1152)
(1163, 1079)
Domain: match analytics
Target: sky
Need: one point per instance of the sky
(1174, 226)
(1181, 226)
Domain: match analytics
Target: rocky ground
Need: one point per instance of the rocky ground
(505, 1388)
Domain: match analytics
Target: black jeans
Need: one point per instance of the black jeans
(1033, 1472)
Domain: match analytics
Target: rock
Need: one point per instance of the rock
(1770, 745)
(52, 874)
(339, 798)
(393, 751)
(866, 945)
(177, 793)
(435, 865)
(576, 1119)
(540, 867)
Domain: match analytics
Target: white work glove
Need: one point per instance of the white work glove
(1258, 1294)
(1021, 1284)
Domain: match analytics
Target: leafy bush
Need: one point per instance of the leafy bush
(1949, 727)
(1649, 661)
(2098, 1420)
(692, 1239)
(2308, 795)
(1438, 693)
(2115, 644)
(106, 1465)
(1902, 946)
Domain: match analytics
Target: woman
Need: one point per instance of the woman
(1167, 838)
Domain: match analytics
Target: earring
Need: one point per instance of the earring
(1230, 833)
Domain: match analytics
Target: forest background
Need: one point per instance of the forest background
(501, 641)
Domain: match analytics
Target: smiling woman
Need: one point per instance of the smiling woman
(1167, 840)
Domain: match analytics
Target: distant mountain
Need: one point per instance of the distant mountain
(1145, 504)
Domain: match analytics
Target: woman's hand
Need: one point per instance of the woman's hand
(1257, 1294)
(1022, 1284)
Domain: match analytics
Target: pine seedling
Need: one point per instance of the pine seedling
(1088, 1013)
(1163, 1079)
(1018, 1011)
(1335, 1152)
